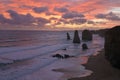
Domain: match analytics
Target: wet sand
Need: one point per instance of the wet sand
(101, 68)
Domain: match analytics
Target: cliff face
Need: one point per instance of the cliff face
(112, 46)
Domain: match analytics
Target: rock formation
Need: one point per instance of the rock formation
(68, 36)
(112, 46)
(84, 46)
(76, 37)
(86, 35)
(58, 56)
(66, 56)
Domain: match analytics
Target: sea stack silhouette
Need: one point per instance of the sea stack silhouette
(76, 38)
(84, 46)
(86, 35)
(112, 46)
(68, 36)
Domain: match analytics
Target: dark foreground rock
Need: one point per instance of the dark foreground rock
(86, 35)
(112, 46)
(76, 37)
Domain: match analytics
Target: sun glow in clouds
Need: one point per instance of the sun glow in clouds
(60, 14)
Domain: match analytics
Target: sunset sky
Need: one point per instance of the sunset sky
(59, 14)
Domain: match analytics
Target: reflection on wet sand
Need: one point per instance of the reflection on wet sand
(77, 70)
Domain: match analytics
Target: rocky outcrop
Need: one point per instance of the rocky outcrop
(84, 46)
(112, 46)
(68, 36)
(59, 56)
(86, 35)
(76, 37)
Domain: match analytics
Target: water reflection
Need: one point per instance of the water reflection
(76, 70)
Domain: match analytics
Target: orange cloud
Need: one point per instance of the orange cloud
(89, 8)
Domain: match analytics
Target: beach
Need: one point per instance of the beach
(101, 68)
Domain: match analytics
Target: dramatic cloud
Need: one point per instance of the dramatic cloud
(90, 22)
(78, 21)
(20, 19)
(109, 16)
(64, 21)
(50, 13)
(6, 1)
(52, 18)
(64, 12)
(102, 16)
(42, 21)
(4, 20)
(62, 9)
(70, 15)
(40, 9)
(26, 7)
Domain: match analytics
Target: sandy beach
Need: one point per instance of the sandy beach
(101, 68)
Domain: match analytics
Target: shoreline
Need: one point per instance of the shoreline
(101, 68)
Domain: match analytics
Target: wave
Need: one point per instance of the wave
(15, 49)
(18, 73)
(33, 53)
(15, 40)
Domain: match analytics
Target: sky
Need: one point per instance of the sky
(58, 14)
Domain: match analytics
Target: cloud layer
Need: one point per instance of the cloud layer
(60, 12)
(109, 16)
(40, 9)
(20, 19)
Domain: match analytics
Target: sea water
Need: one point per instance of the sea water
(28, 55)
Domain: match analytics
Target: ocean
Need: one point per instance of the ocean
(27, 55)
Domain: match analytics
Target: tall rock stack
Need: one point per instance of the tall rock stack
(86, 35)
(68, 36)
(76, 37)
(112, 46)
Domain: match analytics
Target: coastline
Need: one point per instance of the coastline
(101, 68)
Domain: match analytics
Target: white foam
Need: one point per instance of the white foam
(33, 53)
